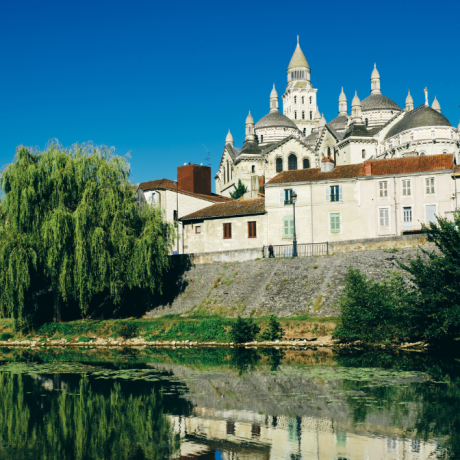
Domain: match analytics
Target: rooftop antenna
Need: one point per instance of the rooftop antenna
(208, 158)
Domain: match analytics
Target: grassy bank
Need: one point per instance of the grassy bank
(165, 328)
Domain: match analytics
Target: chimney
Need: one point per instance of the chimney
(367, 169)
(194, 179)
(327, 164)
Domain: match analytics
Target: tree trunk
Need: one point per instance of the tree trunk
(57, 308)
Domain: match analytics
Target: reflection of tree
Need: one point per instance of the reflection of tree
(244, 359)
(275, 355)
(81, 425)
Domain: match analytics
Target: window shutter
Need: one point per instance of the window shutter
(340, 192)
(286, 228)
(328, 194)
(281, 197)
(291, 227)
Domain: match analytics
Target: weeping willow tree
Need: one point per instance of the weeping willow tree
(70, 224)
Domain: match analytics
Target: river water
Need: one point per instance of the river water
(228, 404)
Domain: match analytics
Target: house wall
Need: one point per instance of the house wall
(211, 238)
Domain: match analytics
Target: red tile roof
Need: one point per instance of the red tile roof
(166, 184)
(232, 208)
(378, 168)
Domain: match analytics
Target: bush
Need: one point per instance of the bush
(84, 338)
(5, 336)
(374, 312)
(124, 330)
(243, 330)
(274, 331)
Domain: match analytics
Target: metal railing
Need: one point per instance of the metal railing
(303, 250)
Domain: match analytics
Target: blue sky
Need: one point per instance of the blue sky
(160, 79)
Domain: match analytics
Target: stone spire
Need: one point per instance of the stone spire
(409, 102)
(343, 103)
(298, 68)
(375, 81)
(229, 138)
(436, 105)
(356, 115)
(249, 128)
(274, 100)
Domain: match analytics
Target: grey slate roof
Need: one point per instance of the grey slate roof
(310, 140)
(339, 123)
(250, 148)
(275, 120)
(359, 131)
(336, 134)
(419, 117)
(378, 101)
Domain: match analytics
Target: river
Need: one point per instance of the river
(214, 403)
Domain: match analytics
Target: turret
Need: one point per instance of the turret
(436, 105)
(356, 115)
(229, 138)
(298, 68)
(409, 102)
(249, 128)
(375, 81)
(343, 109)
(274, 100)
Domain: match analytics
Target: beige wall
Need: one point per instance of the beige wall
(211, 238)
(359, 210)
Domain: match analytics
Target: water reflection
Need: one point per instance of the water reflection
(229, 404)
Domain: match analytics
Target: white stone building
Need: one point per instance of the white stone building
(299, 137)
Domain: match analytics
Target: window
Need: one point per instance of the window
(228, 173)
(224, 174)
(334, 193)
(175, 216)
(310, 99)
(295, 114)
(230, 428)
(328, 151)
(252, 232)
(430, 213)
(198, 229)
(261, 138)
(384, 217)
(288, 227)
(406, 187)
(383, 189)
(227, 231)
(303, 99)
(287, 196)
(279, 164)
(306, 163)
(303, 114)
(407, 218)
(311, 115)
(335, 222)
(367, 122)
(295, 99)
(305, 131)
(292, 162)
(363, 153)
(253, 169)
(429, 185)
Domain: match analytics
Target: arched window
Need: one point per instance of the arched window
(253, 169)
(279, 165)
(224, 175)
(261, 138)
(306, 163)
(295, 99)
(228, 173)
(305, 131)
(363, 153)
(310, 99)
(303, 115)
(303, 99)
(292, 162)
(367, 122)
(311, 115)
(295, 114)
(328, 151)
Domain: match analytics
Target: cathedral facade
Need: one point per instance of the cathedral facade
(375, 128)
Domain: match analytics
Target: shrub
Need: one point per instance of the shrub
(5, 336)
(124, 330)
(274, 331)
(243, 330)
(372, 311)
(84, 338)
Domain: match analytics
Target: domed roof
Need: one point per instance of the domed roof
(229, 138)
(298, 58)
(275, 120)
(339, 123)
(419, 117)
(249, 119)
(342, 97)
(274, 93)
(375, 72)
(355, 100)
(378, 101)
(409, 99)
(311, 138)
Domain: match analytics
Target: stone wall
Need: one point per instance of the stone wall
(284, 287)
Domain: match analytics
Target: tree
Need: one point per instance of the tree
(436, 275)
(239, 191)
(243, 330)
(70, 224)
(274, 331)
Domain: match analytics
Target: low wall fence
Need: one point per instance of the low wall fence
(303, 250)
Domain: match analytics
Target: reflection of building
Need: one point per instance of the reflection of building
(245, 435)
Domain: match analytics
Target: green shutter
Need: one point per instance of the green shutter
(335, 222)
(288, 227)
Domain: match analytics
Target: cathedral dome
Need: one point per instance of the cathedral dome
(275, 120)
(420, 117)
(339, 123)
(298, 59)
(378, 101)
